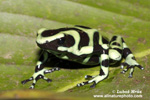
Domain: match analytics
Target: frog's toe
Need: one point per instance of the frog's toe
(124, 71)
(24, 81)
(89, 77)
(123, 65)
(95, 80)
(131, 67)
(140, 67)
(27, 80)
(127, 68)
(131, 71)
(93, 85)
(130, 76)
(47, 79)
(84, 83)
(32, 86)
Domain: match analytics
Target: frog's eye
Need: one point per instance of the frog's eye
(61, 41)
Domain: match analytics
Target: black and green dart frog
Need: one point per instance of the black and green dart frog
(85, 46)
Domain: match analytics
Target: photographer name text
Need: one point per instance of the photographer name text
(127, 91)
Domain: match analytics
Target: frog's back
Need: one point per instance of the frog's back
(80, 44)
(88, 46)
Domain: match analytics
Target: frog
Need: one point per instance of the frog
(85, 46)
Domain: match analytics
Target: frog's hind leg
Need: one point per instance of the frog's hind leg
(104, 63)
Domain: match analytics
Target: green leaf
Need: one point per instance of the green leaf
(21, 19)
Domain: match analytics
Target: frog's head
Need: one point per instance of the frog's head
(51, 40)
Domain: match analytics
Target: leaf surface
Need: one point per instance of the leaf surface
(20, 20)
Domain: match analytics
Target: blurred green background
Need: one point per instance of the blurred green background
(20, 20)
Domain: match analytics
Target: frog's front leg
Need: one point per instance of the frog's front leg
(40, 71)
(130, 63)
(130, 60)
(119, 49)
(104, 62)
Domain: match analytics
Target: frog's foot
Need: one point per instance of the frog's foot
(95, 80)
(130, 66)
(39, 75)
